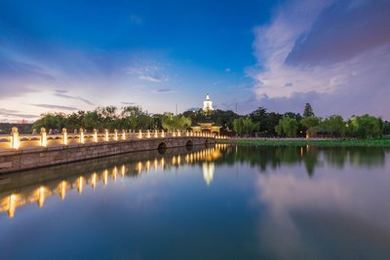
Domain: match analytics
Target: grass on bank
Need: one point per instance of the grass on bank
(302, 142)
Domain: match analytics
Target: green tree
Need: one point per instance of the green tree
(310, 124)
(333, 126)
(245, 126)
(365, 126)
(287, 126)
(171, 122)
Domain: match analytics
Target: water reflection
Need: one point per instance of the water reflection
(238, 202)
(21, 189)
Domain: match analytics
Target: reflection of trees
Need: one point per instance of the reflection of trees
(264, 157)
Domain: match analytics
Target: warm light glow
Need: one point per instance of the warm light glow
(115, 173)
(11, 205)
(208, 172)
(116, 135)
(155, 133)
(82, 140)
(64, 136)
(80, 184)
(15, 139)
(93, 180)
(178, 133)
(41, 196)
(95, 136)
(139, 167)
(123, 134)
(148, 133)
(105, 177)
(140, 134)
(63, 190)
(43, 137)
(106, 136)
(155, 163)
(162, 133)
(174, 133)
(162, 162)
(147, 165)
(123, 170)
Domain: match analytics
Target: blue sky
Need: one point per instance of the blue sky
(69, 55)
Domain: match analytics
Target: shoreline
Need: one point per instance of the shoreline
(384, 142)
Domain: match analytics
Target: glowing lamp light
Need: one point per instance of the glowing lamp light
(95, 136)
(140, 134)
(106, 137)
(43, 137)
(11, 206)
(116, 135)
(64, 136)
(15, 138)
(82, 139)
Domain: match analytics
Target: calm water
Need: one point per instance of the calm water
(218, 202)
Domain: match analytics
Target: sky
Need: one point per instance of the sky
(64, 56)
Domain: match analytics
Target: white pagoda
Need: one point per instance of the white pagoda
(207, 104)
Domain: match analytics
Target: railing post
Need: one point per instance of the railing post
(82, 140)
(140, 134)
(106, 137)
(187, 133)
(173, 133)
(64, 136)
(123, 134)
(162, 133)
(148, 133)
(178, 133)
(155, 133)
(95, 135)
(43, 137)
(115, 135)
(15, 139)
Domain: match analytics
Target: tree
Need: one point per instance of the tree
(308, 110)
(171, 122)
(365, 126)
(245, 126)
(310, 124)
(333, 126)
(287, 126)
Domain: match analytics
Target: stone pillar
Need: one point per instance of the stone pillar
(106, 137)
(173, 133)
(95, 135)
(82, 139)
(15, 138)
(123, 134)
(64, 136)
(43, 137)
(140, 134)
(162, 133)
(155, 133)
(148, 133)
(178, 133)
(115, 135)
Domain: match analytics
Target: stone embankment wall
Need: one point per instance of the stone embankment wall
(23, 159)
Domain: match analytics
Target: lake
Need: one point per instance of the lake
(223, 201)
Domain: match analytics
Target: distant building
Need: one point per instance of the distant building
(207, 104)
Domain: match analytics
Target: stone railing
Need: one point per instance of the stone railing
(44, 139)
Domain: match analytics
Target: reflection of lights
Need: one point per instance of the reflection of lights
(80, 184)
(62, 190)
(41, 196)
(208, 172)
(174, 160)
(155, 163)
(139, 167)
(147, 166)
(179, 159)
(11, 205)
(105, 177)
(93, 180)
(114, 173)
(123, 170)
(162, 162)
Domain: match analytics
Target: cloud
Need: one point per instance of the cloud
(147, 72)
(304, 57)
(163, 90)
(62, 94)
(151, 78)
(13, 113)
(55, 107)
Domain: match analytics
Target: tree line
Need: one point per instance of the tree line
(260, 122)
